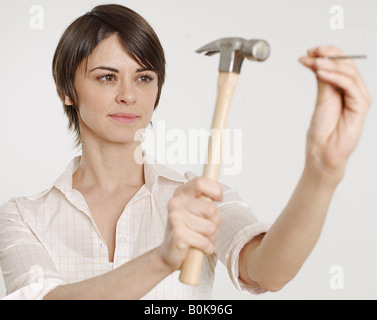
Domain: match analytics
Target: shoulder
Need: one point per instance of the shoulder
(8, 207)
(10, 216)
(16, 208)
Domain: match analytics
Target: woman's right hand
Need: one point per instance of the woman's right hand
(193, 221)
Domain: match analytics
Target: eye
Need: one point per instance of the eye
(107, 78)
(145, 78)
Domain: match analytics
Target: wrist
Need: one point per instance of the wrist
(322, 175)
(160, 263)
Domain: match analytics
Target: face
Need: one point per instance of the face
(116, 95)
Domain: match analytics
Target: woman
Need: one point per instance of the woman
(114, 228)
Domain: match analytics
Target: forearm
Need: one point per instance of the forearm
(130, 281)
(292, 237)
(335, 129)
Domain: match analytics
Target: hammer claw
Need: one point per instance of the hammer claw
(234, 50)
(210, 53)
(211, 49)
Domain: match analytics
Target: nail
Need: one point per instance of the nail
(323, 73)
(355, 56)
(312, 50)
(321, 62)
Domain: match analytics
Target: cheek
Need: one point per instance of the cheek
(151, 97)
(92, 102)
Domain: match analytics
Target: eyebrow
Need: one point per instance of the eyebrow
(105, 68)
(116, 70)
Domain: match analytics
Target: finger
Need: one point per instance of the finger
(311, 52)
(191, 233)
(336, 65)
(200, 211)
(198, 241)
(347, 85)
(205, 209)
(339, 80)
(308, 62)
(205, 227)
(202, 186)
(349, 70)
(339, 66)
(317, 52)
(327, 51)
(322, 52)
(315, 63)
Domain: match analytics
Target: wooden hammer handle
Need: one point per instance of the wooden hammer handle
(227, 82)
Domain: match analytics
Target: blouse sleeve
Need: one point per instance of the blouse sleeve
(28, 270)
(238, 228)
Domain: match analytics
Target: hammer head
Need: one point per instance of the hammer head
(234, 50)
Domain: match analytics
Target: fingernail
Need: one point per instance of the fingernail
(312, 50)
(321, 62)
(322, 73)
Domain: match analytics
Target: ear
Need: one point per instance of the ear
(68, 101)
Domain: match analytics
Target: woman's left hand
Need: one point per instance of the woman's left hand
(341, 108)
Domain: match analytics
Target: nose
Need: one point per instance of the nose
(126, 95)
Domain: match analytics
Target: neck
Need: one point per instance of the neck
(109, 168)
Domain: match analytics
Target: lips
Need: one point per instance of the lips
(124, 117)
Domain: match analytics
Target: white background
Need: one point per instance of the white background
(273, 105)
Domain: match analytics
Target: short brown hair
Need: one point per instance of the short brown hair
(83, 36)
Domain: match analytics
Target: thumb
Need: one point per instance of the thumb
(328, 93)
(325, 90)
(308, 62)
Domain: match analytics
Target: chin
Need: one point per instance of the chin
(122, 136)
(123, 140)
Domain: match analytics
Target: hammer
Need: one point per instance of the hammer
(232, 53)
